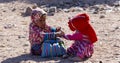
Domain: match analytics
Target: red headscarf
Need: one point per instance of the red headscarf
(81, 23)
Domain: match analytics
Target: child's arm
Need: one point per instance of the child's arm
(34, 36)
(75, 36)
(50, 35)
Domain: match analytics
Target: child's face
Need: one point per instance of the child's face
(41, 21)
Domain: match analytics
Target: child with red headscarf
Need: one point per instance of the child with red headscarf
(84, 37)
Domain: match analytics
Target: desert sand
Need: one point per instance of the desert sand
(15, 46)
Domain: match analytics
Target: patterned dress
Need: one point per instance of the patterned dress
(81, 46)
(37, 35)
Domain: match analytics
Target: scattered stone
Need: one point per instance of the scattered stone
(116, 4)
(8, 39)
(94, 10)
(76, 9)
(66, 10)
(28, 11)
(25, 45)
(100, 61)
(13, 9)
(106, 34)
(52, 11)
(4, 10)
(2, 45)
(20, 36)
(116, 28)
(8, 26)
(59, 10)
(51, 14)
(116, 46)
(108, 10)
(117, 54)
(34, 6)
(102, 16)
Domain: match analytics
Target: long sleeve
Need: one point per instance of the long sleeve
(75, 36)
(34, 35)
(50, 35)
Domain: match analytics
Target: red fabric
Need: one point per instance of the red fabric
(81, 23)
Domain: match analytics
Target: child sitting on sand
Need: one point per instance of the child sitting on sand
(40, 32)
(84, 38)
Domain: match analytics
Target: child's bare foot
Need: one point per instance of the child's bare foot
(65, 56)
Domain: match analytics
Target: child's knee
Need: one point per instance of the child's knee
(36, 49)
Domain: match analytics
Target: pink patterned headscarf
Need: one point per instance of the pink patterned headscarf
(37, 13)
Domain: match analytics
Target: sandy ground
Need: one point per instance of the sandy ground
(14, 44)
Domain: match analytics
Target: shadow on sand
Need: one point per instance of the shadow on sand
(28, 57)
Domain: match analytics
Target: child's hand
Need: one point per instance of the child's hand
(58, 29)
(60, 34)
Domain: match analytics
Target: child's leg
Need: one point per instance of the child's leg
(89, 50)
(85, 50)
(80, 50)
(71, 51)
(36, 49)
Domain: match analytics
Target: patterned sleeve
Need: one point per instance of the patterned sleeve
(50, 35)
(75, 36)
(34, 35)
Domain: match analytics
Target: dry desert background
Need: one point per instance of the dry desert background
(15, 19)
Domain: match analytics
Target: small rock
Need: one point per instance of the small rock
(59, 10)
(102, 16)
(13, 9)
(92, 22)
(34, 6)
(66, 10)
(8, 26)
(20, 36)
(117, 54)
(8, 39)
(116, 46)
(75, 9)
(116, 28)
(106, 34)
(25, 45)
(52, 9)
(100, 61)
(117, 3)
(2, 46)
(4, 10)
(51, 14)
(95, 12)
(28, 11)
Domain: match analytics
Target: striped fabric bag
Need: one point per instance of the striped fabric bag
(53, 48)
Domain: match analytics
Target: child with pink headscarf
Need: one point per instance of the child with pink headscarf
(39, 31)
